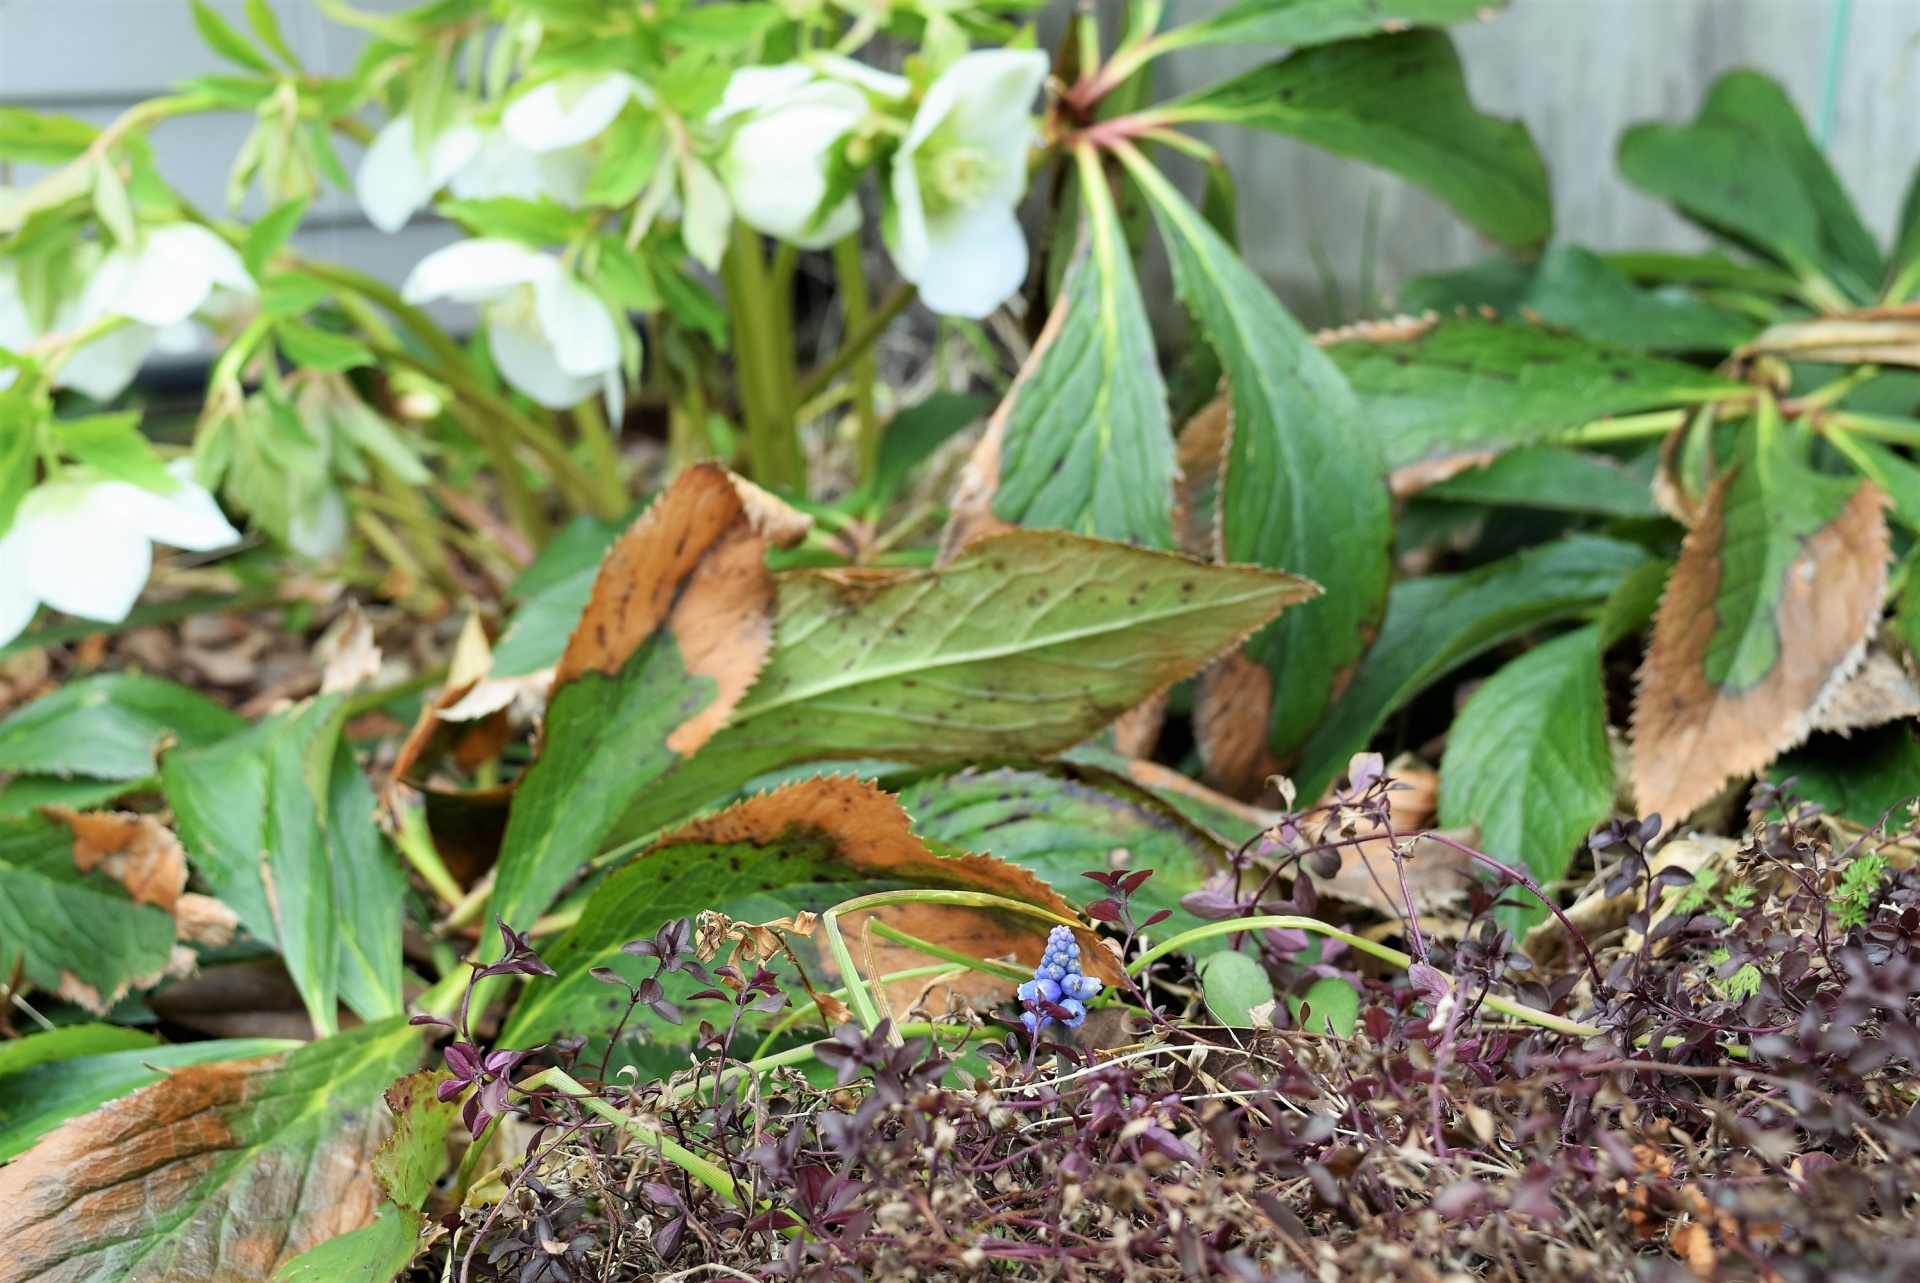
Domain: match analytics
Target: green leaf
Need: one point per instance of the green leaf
(1527, 763)
(56, 922)
(78, 1075)
(1550, 477)
(1860, 778)
(911, 437)
(718, 26)
(1303, 489)
(27, 793)
(67, 1043)
(1746, 168)
(1576, 289)
(1330, 1005)
(266, 25)
(243, 1163)
(1058, 828)
(319, 349)
(1435, 624)
(289, 787)
(1024, 644)
(1903, 269)
(1234, 984)
(1399, 102)
(113, 207)
(268, 236)
(1087, 444)
(541, 222)
(1893, 472)
(292, 293)
(226, 41)
(1466, 385)
(108, 727)
(374, 1253)
(42, 138)
(627, 160)
(1299, 23)
(113, 445)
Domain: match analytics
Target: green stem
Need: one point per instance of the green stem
(1238, 926)
(855, 343)
(850, 274)
(598, 438)
(1876, 427)
(985, 966)
(763, 359)
(701, 1169)
(415, 841)
(1625, 427)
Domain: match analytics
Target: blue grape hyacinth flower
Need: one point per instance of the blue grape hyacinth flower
(1058, 990)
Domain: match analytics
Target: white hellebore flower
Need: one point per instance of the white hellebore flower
(551, 336)
(570, 110)
(82, 545)
(959, 173)
(391, 183)
(168, 278)
(502, 167)
(775, 163)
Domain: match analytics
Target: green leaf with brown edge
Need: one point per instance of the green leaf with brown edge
(805, 846)
(1398, 101)
(1086, 443)
(1527, 764)
(1023, 645)
(37, 1097)
(80, 935)
(219, 1173)
(1554, 478)
(1769, 607)
(679, 623)
(1059, 827)
(1303, 489)
(406, 1166)
(108, 727)
(1746, 168)
(1436, 623)
(1299, 23)
(1472, 387)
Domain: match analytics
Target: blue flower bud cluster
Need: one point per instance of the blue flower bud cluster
(1058, 982)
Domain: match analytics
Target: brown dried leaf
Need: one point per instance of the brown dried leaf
(1201, 454)
(1137, 730)
(1436, 874)
(1690, 737)
(137, 851)
(1232, 704)
(1879, 691)
(347, 652)
(695, 562)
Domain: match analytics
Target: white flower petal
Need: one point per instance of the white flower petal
(319, 531)
(80, 557)
(906, 230)
(168, 278)
(882, 84)
(526, 359)
(502, 167)
(474, 271)
(17, 602)
(564, 112)
(391, 184)
(975, 261)
(750, 88)
(775, 164)
(187, 518)
(583, 334)
(981, 97)
(103, 368)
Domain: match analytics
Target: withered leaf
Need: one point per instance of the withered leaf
(218, 1174)
(1232, 705)
(1768, 610)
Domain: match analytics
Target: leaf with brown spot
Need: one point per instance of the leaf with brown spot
(679, 625)
(1025, 644)
(802, 848)
(1201, 454)
(145, 857)
(218, 1174)
(1768, 611)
